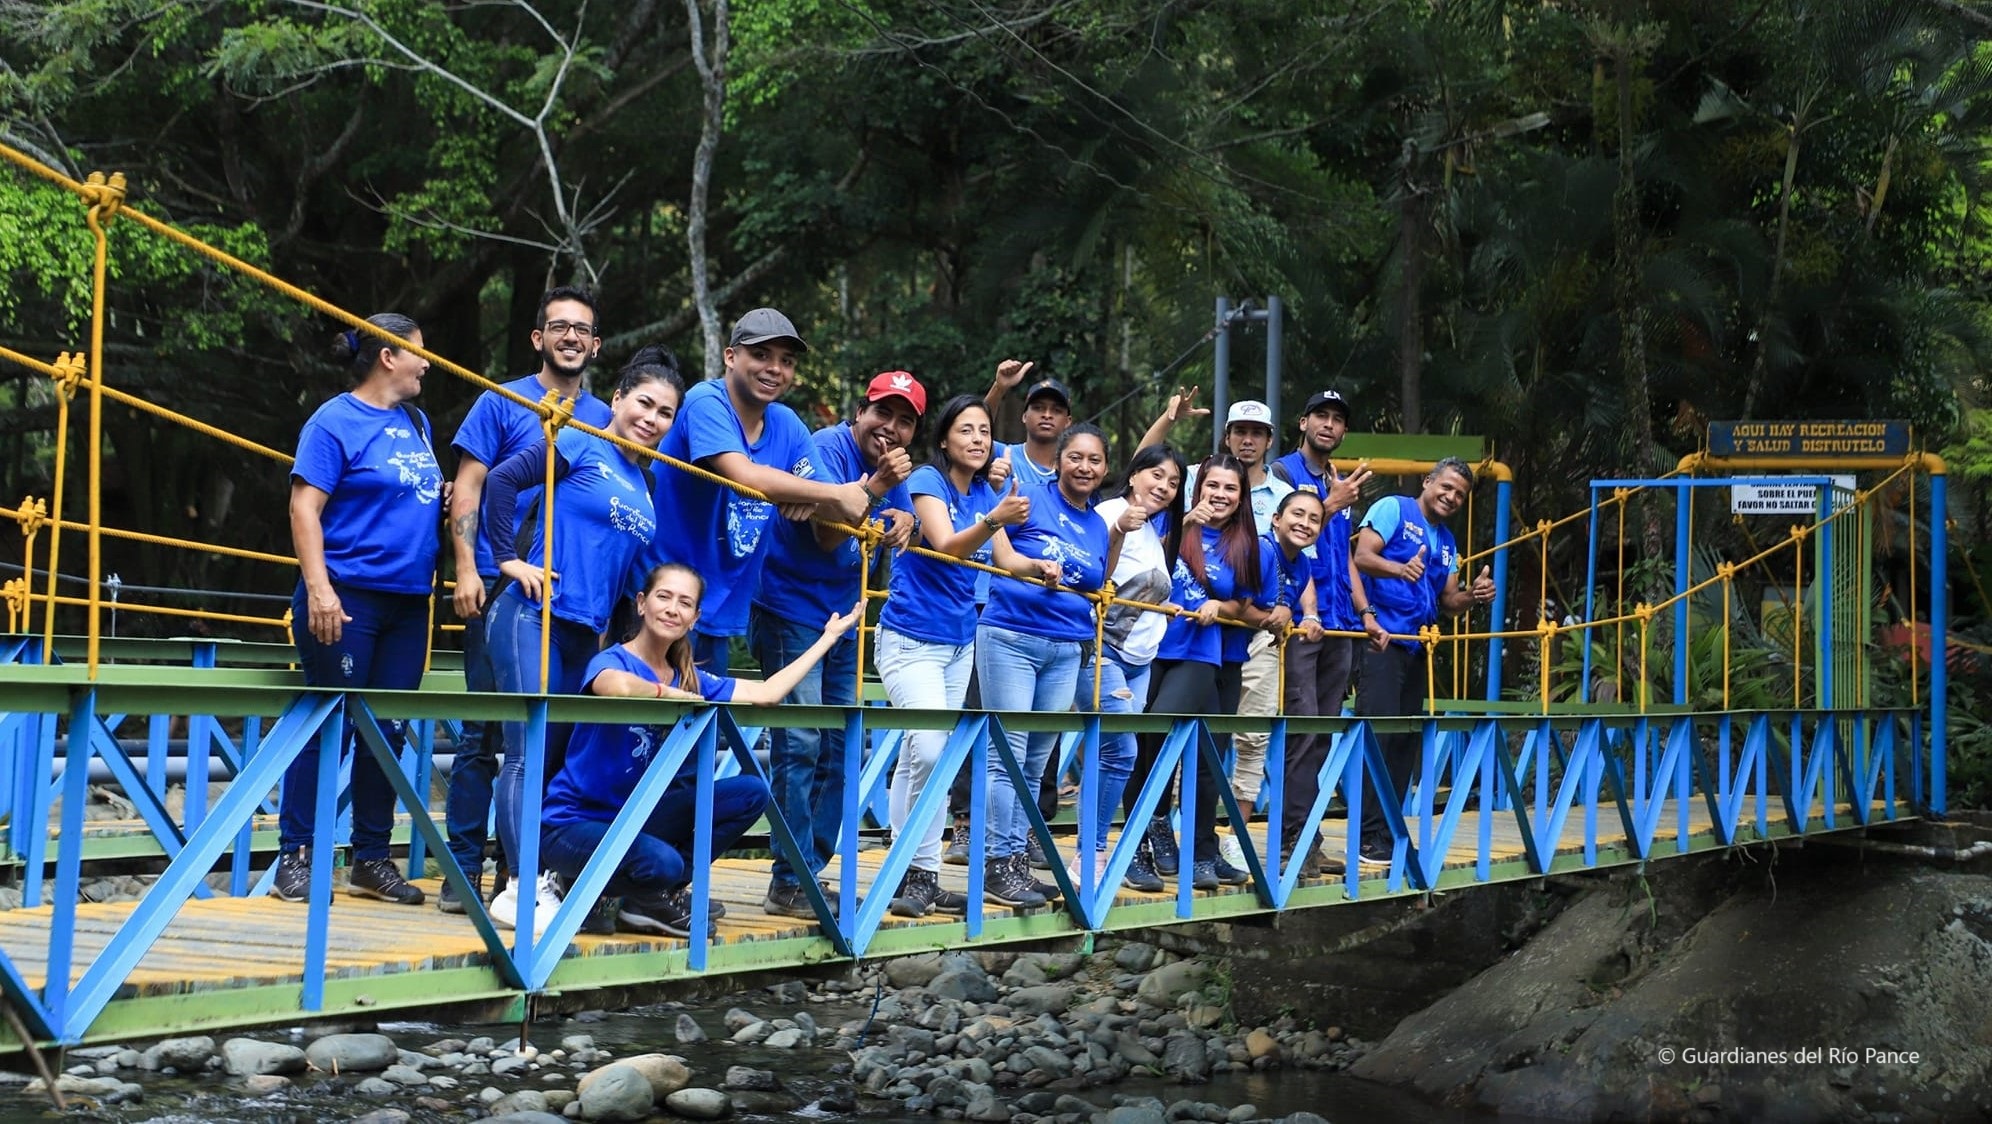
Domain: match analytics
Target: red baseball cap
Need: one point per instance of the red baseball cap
(900, 384)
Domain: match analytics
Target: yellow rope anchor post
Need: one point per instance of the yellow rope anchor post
(106, 196)
(1546, 647)
(1645, 614)
(69, 374)
(557, 414)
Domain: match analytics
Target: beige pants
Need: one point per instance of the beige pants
(1259, 681)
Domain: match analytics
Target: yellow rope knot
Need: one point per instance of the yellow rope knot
(1644, 612)
(558, 412)
(1543, 527)
(1799, 532)
(1547, 628)
(16, 594)
(70, 371)
(32, 516)
(1429, 635)
(1726, 571)
(105, 195)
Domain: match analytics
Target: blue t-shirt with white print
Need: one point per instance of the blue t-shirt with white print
(602, 522)
(497, 428)
(1403, 607)
(385, 490)
(933, 600)
(1185, 639)
(1078, 539)
(605, 760)
(719, 532)
(802, 583)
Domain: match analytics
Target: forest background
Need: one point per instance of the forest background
(1580, 229)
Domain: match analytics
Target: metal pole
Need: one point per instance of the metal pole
(1275, 360)
(1220, 361)
(1590, 599)
(1500, 608)
(1939, 641)
(1682, 565)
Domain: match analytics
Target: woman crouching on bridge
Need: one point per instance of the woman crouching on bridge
(605, 761)
(602, 519)
(365, 496)
(1033, 638)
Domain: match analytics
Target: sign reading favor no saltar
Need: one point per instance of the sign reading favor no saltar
(1769, 496)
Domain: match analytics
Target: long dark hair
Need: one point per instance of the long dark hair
(1238, 535)
(358, 349)
(651, 363)
(951, 412)
(1172, 527)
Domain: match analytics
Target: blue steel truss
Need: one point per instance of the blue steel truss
(1546, 781)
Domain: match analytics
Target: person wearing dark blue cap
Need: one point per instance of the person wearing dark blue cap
(736, 428)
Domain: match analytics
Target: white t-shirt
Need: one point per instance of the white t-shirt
(1142, 574)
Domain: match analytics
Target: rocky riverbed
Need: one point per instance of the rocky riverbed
(1129, 1035)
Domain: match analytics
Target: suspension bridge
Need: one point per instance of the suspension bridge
(1701, 720)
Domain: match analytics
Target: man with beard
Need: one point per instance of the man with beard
(812, 574)
(1409, 564)
(567, 337)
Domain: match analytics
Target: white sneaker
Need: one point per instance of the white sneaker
(1232, 851)
(546, 899)
(1072, 868)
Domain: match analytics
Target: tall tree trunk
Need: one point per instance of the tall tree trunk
(1760, 363)
(711, 65)
(1410, 314)
(1626, 244)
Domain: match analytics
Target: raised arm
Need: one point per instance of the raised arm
(1181, 405)
(776, 687)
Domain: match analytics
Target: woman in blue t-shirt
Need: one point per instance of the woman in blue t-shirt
(926, 634)
(606, 760)
(366, 494)
(1032, 637)
(602, 520)
(1216, 574)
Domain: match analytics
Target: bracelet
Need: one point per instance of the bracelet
(1366, 611)
(1310, 619)
(874, 497)
(660, 689)
(990, 523)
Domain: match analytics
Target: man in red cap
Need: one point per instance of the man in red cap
(811, 575)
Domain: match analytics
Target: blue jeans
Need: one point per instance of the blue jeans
(1123, 690)
(513, 643)
(807, 765)
(921, 675)
(658, 861)
(383, 646)
(1021, 672)
(467, 805)
(712, 653)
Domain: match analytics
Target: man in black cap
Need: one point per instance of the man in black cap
(736, 427)
(1047, 415)
(1317, 678)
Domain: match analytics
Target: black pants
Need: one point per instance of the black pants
(1197, 689)
(1392, 685)
(1317, 680)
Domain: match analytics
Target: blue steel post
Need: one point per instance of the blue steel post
(1275, 357)
(853, 782)
(701, 939)
(526, 876)
(1939, 638)
(69, 854)
(1822, 580)
(200, 738)
(1682, 578)
(1498, 614)
(324, 827)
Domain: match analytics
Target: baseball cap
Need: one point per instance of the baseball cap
(1323, 399)
(1248, 412)
(1049, 386)
(762, 325)
(898, 384)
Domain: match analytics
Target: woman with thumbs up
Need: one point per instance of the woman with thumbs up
(926, 635)
(1408, 559)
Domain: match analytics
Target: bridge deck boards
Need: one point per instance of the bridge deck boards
(228, 942)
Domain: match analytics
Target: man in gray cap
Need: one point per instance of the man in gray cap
(735, 427)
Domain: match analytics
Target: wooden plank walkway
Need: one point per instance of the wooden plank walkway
(229, 943)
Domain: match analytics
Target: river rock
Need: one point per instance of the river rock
(1049, 1060)
(381, 1115)
(1305, 1118)
(406, 1076)
(510, 1066)
(737, 1017)
(689, 1030)
(1260, 1043)
(184, 1054)
(913, 971)
(1165, 986)
(699, 1104)
(1185, 1056)
(964, 986)
(245, 1057)
(787, 1039)
(746, 1077)
(376, 1087)
(525, 1100)
(107, 1090)
(985, 1106)
(1136, 1114)
(1026, 972)
(616, 1092)
(525, 1118)
(666, 1073)
(753, 1033)
(352, 1053)
(1242, 1114)
(263, 1084)
(1135, 956)
(1043, 999)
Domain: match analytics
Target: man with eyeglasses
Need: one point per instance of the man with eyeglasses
(567, 336)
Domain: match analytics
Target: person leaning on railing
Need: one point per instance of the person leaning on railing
(1216, 572)
(925, 644)
(1133, 635)
(606, 760)
(366, 493)
(1408, 560)
(1033, 637)
(602, 519)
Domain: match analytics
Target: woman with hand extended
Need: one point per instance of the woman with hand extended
(1154, 493)
(605, 760)
(1032, 637)
(602, 520)
(366, 493)
(1215, 573)
(926, 633)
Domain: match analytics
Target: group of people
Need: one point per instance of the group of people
(655, 571)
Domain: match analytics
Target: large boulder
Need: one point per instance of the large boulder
(187, 1055)
(1165, 986)
(352, 1053)
(699, 1104)
(246, 1057)
(616, 1092)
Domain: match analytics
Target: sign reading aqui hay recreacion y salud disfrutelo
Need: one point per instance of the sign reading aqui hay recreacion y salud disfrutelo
(1773, 496)
(1822, 439)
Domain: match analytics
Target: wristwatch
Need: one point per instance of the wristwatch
(1367, 611)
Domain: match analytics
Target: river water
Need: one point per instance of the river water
(807, 1073)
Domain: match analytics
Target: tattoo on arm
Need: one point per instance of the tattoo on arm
(465, 527)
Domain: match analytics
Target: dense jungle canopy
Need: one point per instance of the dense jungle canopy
(1581, 228)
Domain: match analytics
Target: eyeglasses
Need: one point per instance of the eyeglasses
(559, 328)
